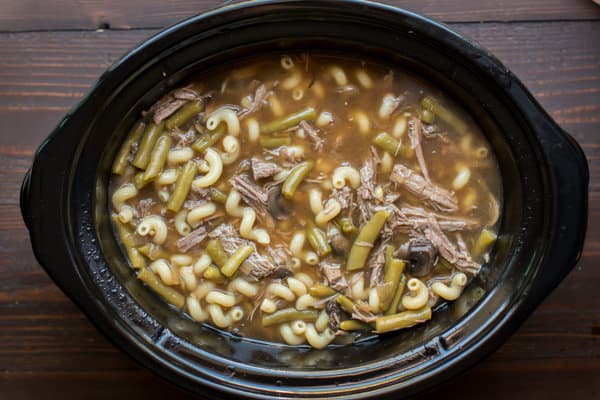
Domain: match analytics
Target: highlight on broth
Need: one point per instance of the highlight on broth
(306, 199)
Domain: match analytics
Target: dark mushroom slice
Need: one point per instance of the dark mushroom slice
(422, 255)
(277, 205)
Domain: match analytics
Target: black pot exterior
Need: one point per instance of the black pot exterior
(64, 204)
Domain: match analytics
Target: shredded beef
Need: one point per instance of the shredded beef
(460, 257)
(313, 135)
(375, 264)
(333, 275)
(171, 102)
(362, 312)
(415, 135)
(192, 239)
(144, 207)
(438, 197)
(263, 169)
(367, 176)
(260, 98)
(254, 195)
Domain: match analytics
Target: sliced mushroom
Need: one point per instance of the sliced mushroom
(278, 206)
(422, 255)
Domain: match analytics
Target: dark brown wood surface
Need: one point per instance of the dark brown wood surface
(49, 350)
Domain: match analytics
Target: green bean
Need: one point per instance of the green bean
(307, 114)
(390, 145)
(215, 250)
(444, 114)
(402, 320)
(235, 260)
(184, 114)
(153, 251)
(392, 272)
(348, 226)
(354, 325)
(427, 116)
(209, 138)
(171, 295)
(127, 237)
(387, 143)
(485, 240)
(138, 180)
(214, 274)
(346, 304)
(182, 186)
(151, 134)
(295, 177)
(274, 142)
(317, 240)
(364, 241)
(136, 260)
(388, 253)
(393, 307)
(319, 290)
(122, 158)
(217, 196)
(288, 315)
(158, 158)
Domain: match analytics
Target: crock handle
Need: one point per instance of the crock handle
(24, 199)
(570, 178)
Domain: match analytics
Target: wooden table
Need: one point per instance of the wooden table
(52, 51)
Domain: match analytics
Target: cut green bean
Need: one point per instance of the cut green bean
(427, 116)
(217, 196)
(485, 240)
(139, 181)
(184, 114)
(348, 226)
(288, 315)
(158, 158)
(392, 272)
(171, 295)
(444, 114)
(209, 138)
(122, 158)
(182, 186)
(153, 251)
(234, 261)
(388, 253)
(215, 250)
(127, 237)
(274, 142)
(402, 320)
(346, 304)
(151, 135)
(295, 177)
(317, 240)
(307, 114)
(364, 241)
(136, 259)
(393, 306)
(321, 291)
(354, 325)
(387, 143)
(214, 274)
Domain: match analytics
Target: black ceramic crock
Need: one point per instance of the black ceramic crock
(544, 173)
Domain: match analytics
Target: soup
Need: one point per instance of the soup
(306, 199)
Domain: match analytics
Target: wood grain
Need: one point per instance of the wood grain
(49, 350)
(27, 15)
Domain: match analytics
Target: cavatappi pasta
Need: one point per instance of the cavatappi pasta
(301, 198)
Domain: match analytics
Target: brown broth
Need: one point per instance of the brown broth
(445, 150)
